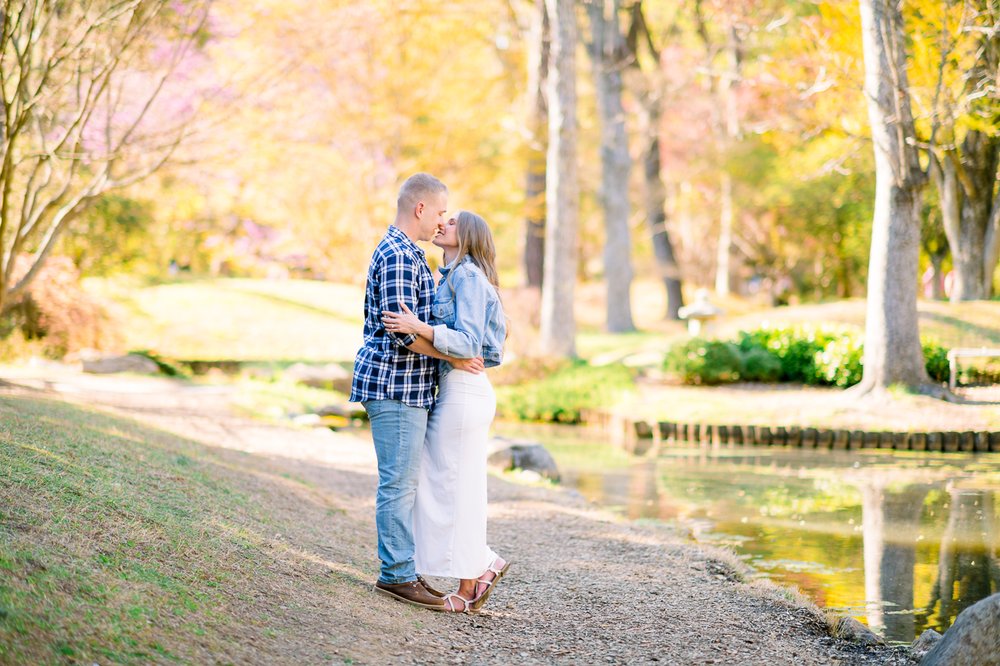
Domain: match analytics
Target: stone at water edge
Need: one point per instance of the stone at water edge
(849, 629)
(106, 365)
(924, 643)
(524, 455)
(974, 639)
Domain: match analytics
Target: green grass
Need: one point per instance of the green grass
(118, 542)
(239, 319)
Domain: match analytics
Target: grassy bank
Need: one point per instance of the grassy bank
(239, 319)
(121, 543)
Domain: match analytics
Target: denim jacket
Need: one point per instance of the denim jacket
(468, 318)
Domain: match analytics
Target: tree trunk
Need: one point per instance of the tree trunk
(892, 342)
(646, 91)
(538, 68)
(606, 55)
(558, 326)
(724, 248)
(656, 219)
(731, 133)
(966, 182)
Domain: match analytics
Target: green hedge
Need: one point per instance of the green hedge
(561, 396)
(822, 356)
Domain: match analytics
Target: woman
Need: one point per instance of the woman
(468, 321)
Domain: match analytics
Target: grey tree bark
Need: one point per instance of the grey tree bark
(537, 126)
(731, 133)
(607, 56)
(558, 325)
(967, 183)
(966, 174)
(647, 90)
(892, 342)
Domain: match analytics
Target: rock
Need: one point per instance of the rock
(528, 456)
(329, 376)
(308, 420)
(974, 639)
(849, 629)
(106, 365)
(924, 643)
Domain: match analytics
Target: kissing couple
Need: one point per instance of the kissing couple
(420, 376)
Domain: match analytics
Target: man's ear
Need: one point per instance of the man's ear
(418, 210)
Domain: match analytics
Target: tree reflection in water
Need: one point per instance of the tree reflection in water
(890, 524)
(968, 568)
(925, 526)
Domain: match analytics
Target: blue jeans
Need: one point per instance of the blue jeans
(398, 430)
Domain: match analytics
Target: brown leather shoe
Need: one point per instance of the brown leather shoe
(422, 581)
(412, 593)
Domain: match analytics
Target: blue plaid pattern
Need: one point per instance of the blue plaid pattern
(384, 368)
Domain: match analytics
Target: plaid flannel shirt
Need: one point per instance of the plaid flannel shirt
(384, 369)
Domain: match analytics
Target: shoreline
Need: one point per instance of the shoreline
(586, 585)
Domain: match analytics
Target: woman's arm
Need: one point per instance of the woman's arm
(406, 323)
(465, 339)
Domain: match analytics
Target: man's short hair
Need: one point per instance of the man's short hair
(418, 187)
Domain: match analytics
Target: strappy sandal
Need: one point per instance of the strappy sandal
(450, 603)
(478, 601)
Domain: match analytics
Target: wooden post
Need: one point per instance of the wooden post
(982, 441)
(738, 436)
(935, 441)
(901, 441)
(967, 441)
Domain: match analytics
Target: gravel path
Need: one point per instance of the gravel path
(585, 587)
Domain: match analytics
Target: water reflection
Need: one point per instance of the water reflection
(903, 541)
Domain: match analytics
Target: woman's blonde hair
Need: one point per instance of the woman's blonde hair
(476, 241)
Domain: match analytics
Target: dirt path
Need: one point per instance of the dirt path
(585, 586)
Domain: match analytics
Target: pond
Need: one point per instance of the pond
(904, 541)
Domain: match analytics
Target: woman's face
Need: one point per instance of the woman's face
(448, 237)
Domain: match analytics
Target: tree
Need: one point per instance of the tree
(608, 56)
(964, 143)
(537, 126)
(558, 326)
(727, 129)
(81, 84)
(893, 354)
(646, 86)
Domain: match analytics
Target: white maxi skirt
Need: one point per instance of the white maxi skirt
(449, 517)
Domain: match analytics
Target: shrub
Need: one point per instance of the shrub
(759, 365)
(55, 311)
(795, 347)
(936, 358)
(841, 361)
(563, 395)
(807, 354)
(700, 361)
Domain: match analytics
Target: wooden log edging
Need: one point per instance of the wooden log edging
(641, 436)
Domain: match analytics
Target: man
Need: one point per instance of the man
(395, 377)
